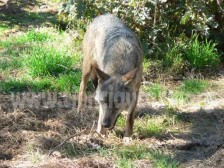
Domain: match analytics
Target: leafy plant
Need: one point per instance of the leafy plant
(153, 21)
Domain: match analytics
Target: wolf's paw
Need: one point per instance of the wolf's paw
(102, 132)
(127, 140)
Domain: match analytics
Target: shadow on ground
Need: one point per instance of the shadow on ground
(20, 14)
(45, 126)
(201, 145)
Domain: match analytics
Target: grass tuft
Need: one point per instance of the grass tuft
(150, 126)
(127, 155)
(155, 90)
(202, 55)
(47, 61)
(194, 86)
(69, 82)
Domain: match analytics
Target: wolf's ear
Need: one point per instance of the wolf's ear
(101, 75)
(127, 78)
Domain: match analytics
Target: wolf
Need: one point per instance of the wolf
(113, 58)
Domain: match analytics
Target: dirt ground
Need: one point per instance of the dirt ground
(25, 129)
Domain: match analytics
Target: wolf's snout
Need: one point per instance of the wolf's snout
(106, 123)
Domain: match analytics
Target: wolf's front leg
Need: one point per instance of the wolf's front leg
(130, 120)
(100, 129)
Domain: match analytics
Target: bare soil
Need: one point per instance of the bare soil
(29, 129)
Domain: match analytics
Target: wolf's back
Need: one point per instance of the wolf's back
(111, 44)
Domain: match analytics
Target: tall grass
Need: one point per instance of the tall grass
(202, 56)
(47, 61)
(173, 61)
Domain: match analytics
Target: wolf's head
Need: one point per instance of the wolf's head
(114, 94)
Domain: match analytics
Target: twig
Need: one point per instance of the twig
(91, 131)
(62, 143)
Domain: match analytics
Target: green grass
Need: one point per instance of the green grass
(45, 61)
(202, 56)
(125, 156)
(155, 90)
(35, 36)
(40, 59)
(121, 121)
(146, 65)
(64, 83)
(10, 63)
(150, 126)
(180, 96)
(69, 82)
(173, 61)
(20, 85)
(194, 86)
(3, 27)
(181, 93)
(162, 160)
(15, 45)
(34, 155)
(25, 19)
(189, 88)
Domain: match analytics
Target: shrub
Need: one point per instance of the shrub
(152, 20)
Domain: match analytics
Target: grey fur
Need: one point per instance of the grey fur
(113, 56)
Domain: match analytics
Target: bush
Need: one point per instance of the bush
(159, 25)
(152, 20)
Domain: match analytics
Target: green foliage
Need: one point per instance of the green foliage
(159, 25)
(173, 61)
(180, 96)
(3, 28)
(44, 61)
(121, 121)
(40, 59)
(202, 55)
(183, 54)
